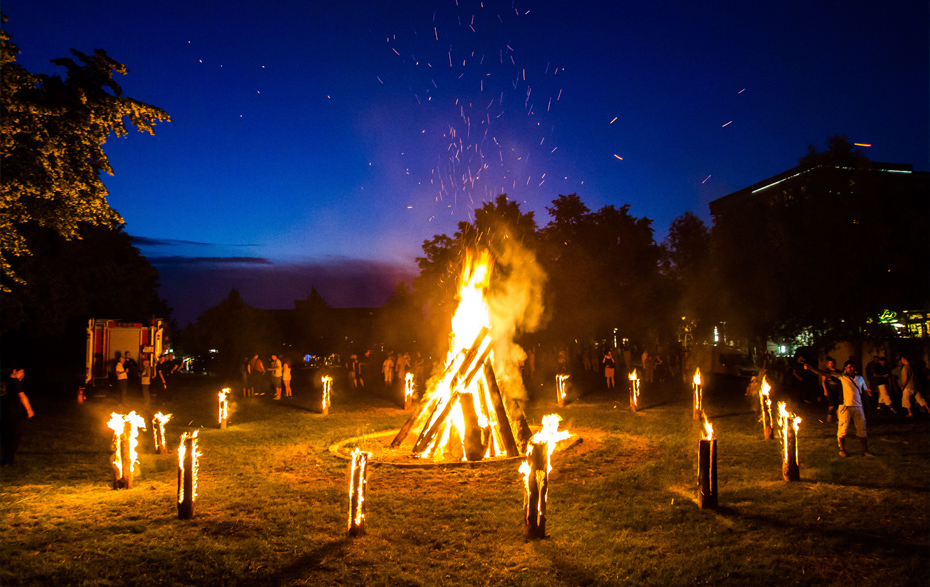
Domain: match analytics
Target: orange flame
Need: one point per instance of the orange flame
(408, 387)
(118, 423)
(698, 393)
(634, 397)
(560, 386)
(785, 419)
(224, 404)
(766, 401)
(358, 479)
(327, 389)
(158, 429)
(182, 453)
(708, 433)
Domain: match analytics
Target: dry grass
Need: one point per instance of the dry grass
(272, 507)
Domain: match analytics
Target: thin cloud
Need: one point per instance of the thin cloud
(177, 260)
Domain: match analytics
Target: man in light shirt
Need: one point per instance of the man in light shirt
(851, 408)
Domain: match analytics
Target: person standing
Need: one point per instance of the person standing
(145, 376)
(277, 372)
(161, 374)
(257, 374)
(880, 383)
(122, 378)
(909, 390)
(244, 373)
(608, 362)
(388, 369)
(850, 410)
(649, 366)
(286, 377)
(832, 386)
(14, 411)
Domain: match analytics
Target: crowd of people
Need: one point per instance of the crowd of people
(257, 379)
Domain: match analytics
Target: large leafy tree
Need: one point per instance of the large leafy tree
(604, 269)
(688, 265)
(53, 131)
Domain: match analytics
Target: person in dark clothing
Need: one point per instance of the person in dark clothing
(832, 388)
(14, 411)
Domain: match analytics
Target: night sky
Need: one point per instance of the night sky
(318, 144)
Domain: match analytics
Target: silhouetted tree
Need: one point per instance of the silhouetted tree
(688, 264)
(53, 132)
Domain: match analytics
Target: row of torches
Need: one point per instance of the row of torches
(535, 468)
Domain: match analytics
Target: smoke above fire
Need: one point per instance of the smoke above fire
(516, 307)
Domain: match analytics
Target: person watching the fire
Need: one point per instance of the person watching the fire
(14, 411)
(853, 386)
(277, 372)
(832, 387)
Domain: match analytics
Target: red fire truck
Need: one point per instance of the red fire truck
(109, 339)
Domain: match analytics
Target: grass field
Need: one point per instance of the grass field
(272, 505)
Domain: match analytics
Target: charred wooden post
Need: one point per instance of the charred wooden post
(223, 407)
(158, 429)
(474, 437)
(124, 458)
(698, 395)
(405, 429)
(561, 382)
(634, 391)
(790, 424)
(536, 488)
(358, 491)
(187, 475)
(327, 391)
(500, 411)
(433, 426)
(408, 391)
(707, 474)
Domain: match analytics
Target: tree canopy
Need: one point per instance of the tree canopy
(53, 131)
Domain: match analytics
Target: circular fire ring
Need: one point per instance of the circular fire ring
(341, 451)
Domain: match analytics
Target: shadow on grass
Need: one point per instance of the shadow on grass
(319, 559)
(888, 541)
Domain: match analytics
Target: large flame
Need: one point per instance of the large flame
(549, 435)
(708, 429)
(118, 423)
(472, 315)
(766, 400)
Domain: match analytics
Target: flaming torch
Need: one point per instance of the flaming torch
(125, 440)
(766, 401)
(560, 386)
(187, 475)
(634, 390)
(698, 395)
(358, 490)
(789, 424)
(224, 407)
(707, 468)
(408, 391)
(327, 389)
(535, 471)
(158, 428)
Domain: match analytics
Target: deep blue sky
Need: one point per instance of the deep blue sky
(318, 144)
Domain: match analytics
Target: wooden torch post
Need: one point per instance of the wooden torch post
(358, 491)
(707, 473)
(408, 391)
(634, 391)
(158, 428)
(536, 486)
(224, 407)
(125, 457)
(327, 391)
(561, 383)
(698, 395)
(766, 400)
(790, 424)
(187, 475)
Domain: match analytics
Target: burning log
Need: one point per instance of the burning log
(125, 440)
(358, 491)
(223, 407)
(790, 424)
(500, 412)
(536, 469)
(766, 400)
(474, 436)
(698, 395)
(158, 429)
(560, 384)
(327, 390)
(707, 468)
(408, 391)
(187, 475)
(634, 390)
